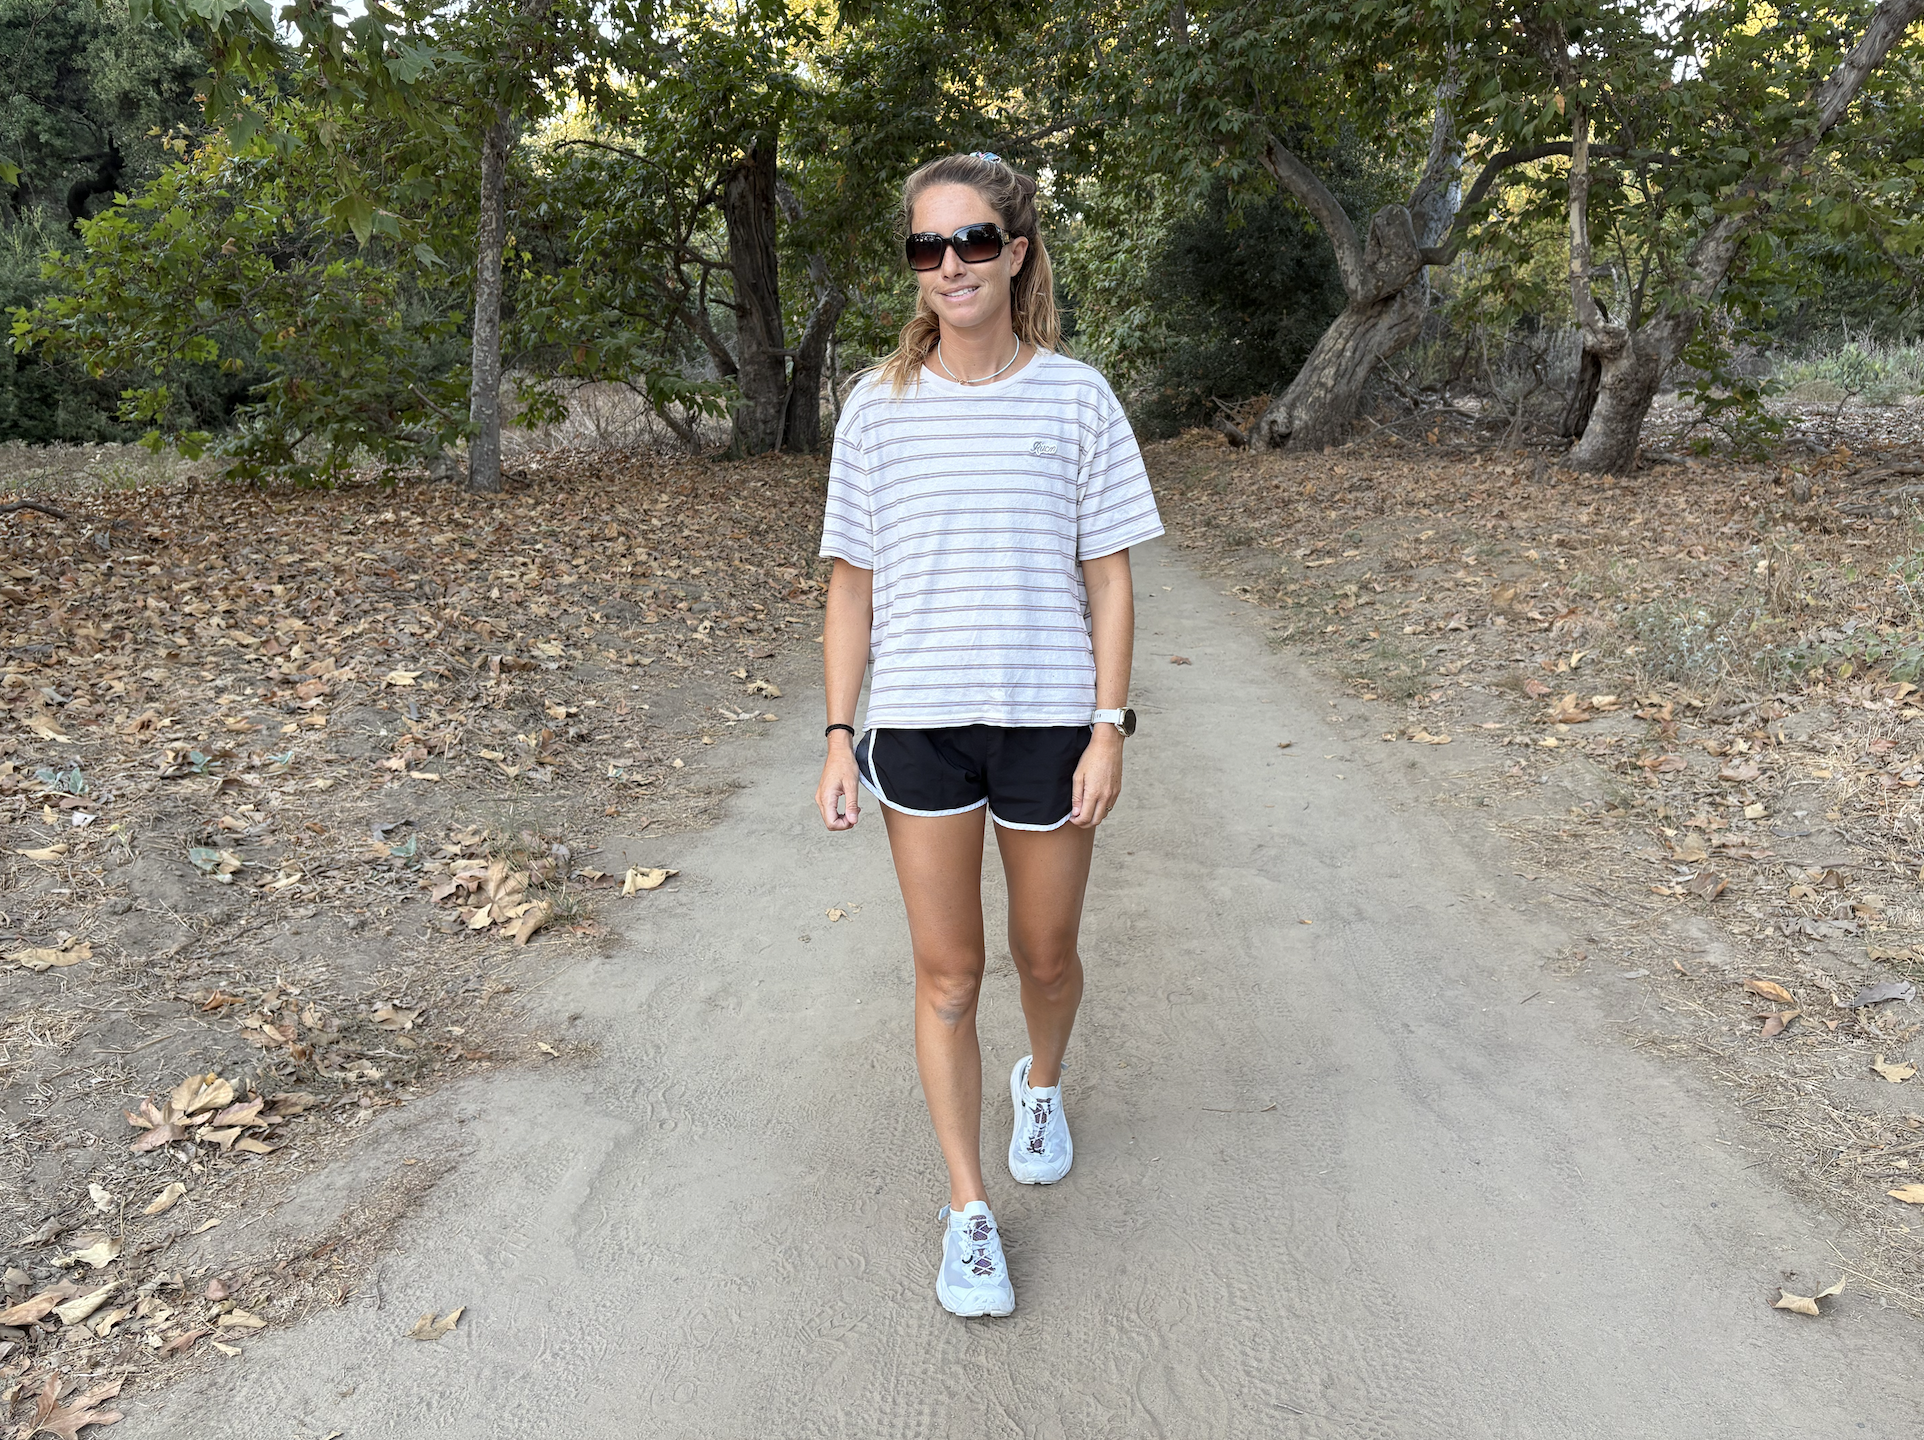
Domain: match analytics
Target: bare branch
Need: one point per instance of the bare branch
(1031, 136)
(1579, 209)
(1444, 253)
(1297, 178)
(683, 431)
(1430, 201)
(52, 510)
(1711, 257)
(697, 322)
(635, 155)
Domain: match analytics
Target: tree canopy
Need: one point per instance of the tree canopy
(367, 224)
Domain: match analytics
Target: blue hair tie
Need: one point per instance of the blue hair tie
(993, 159)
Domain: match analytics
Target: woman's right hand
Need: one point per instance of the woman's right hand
(839, 784)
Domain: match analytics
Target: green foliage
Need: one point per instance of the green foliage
(227, 265)
(92, 104)
(1185, 306)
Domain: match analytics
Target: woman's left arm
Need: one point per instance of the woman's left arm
(1112, 617)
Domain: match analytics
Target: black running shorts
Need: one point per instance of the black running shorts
(1024, 774)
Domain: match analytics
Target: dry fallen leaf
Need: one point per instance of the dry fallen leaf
(201, 1092)
(1770, 990)
(104, 1326)
(103, 1251)
(532, 919)
(241, 1320)
(45, 855)
(229, 1350)
(1805, 1304)
(639, 880)
(1774, 1024)
(428, 1328)
(38, 1306)
(1912, 1194)
(836, 912)
(1879, 993)
(1178, 659)
(81, 1306)
(104, 1201)
(68, 1420)
(1423, 737)
(1897, 1072)
(59, 956)
(1705, 884)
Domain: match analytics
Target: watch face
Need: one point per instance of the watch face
(1128, 722)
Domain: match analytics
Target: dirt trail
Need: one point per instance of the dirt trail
(1332, 1179)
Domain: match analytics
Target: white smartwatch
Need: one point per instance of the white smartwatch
(1124, 720)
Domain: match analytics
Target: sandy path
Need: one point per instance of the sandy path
(1462, 1216)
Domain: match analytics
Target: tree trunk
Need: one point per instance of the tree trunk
(748, 206)
(1583, 396)
(1627, 380)
(1385, 277)
(1320, 406)
(802, 429)
(484, 384)
(1387, 303)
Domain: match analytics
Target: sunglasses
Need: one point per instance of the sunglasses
(974, 245)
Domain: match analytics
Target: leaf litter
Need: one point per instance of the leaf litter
(246, 744)
(1690, 699)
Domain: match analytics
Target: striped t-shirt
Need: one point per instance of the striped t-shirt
(973, 505)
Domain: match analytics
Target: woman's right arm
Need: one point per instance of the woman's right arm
(845, 640)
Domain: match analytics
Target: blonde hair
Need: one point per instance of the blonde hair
(1032, 291)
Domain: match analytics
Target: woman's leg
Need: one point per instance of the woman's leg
(938, 861)
(1047, 871)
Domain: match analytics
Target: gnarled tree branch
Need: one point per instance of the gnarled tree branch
(1302, 182)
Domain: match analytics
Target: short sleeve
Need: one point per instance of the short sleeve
(1115, 507)
(848, 526)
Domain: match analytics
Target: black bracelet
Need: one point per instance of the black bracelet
(833, 728)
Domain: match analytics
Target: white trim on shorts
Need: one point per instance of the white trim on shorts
(1012, 825)
(873, 785)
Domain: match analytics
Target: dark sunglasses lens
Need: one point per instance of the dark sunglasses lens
(978, 243)
(925, 251)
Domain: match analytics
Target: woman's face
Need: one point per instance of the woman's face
(966, 297)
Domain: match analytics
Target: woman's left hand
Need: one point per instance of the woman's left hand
(1098, 783)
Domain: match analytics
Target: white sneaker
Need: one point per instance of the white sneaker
(1040, 1151)
(974, 1278)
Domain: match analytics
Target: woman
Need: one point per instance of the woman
(982, 497)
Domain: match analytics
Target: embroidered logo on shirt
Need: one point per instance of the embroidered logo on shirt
(1042, 447)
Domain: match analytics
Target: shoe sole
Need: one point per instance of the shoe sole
(949, 1304)
(1015, 1163)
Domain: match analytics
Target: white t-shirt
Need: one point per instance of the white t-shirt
(973, 505)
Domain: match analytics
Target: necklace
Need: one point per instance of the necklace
(986, 378)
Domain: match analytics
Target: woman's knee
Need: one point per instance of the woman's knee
(1051, 967)
(950, 990)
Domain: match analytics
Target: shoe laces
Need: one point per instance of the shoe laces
(978, 1240)
(1041, 1107)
